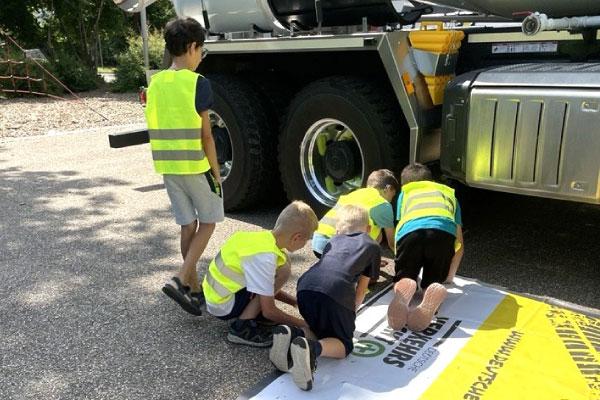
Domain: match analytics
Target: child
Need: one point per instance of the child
(376, 198)
(428, 236)
(247, 275)
(328, 295)
(184, 152)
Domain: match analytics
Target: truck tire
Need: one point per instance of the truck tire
(245, 142)
(337, 131)
(275, 93)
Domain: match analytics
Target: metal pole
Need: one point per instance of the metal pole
(144, 34)
(205, 16)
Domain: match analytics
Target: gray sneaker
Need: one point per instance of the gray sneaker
(304, 363)
(247, 331)
(280, 352)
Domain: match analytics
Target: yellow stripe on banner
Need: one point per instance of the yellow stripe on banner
(525, 349)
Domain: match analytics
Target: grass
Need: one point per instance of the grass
(107, 70)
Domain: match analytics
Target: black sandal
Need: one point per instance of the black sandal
(198, 299)
(181, 294)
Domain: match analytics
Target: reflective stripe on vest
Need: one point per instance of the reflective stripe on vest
(426, 199)
(225, 275)
(368, 198)
(234, 276)
(174, 126)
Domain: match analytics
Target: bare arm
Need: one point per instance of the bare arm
(208, 143)
(457, 255)
(361, 290)
(270, 311)
(390, 236)
(286, 298)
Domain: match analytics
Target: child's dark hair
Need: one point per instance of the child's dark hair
(180, 33)
(414, 173)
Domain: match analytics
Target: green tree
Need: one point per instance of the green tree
(17, 19)
(159, 13)
(78, 35)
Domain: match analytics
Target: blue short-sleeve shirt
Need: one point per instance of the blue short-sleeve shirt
(204, 94)
(440, 223)
(382, 215)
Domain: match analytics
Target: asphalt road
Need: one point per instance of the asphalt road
(86, 241)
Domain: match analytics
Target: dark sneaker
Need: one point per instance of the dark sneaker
(249, 333)
(280, 351)
(181, 294)
(303, 363)
(262, 320)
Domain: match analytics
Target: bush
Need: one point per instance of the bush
(74, 73)
(130, 74)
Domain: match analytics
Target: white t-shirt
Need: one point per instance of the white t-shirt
(259, 273)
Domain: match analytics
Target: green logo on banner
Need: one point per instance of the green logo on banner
(368, 348)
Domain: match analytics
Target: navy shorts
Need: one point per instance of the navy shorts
(326, 318)
(242, 299)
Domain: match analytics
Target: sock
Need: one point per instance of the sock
(316, 347)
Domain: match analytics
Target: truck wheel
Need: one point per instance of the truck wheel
(244, 140)
(337, 131)
(276, 94)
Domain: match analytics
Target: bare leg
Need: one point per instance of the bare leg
(252, 309)
(187, 234)
(332, 348)
(188, 273)
(308, 333)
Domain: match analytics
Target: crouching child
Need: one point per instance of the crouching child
(428, 238)
(328, 295)
(245, 278)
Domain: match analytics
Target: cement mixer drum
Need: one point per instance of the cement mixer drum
(280, 15)
(517, 9)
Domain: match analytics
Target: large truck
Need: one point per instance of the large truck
(501, 94)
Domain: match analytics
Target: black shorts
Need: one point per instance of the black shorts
(242, 299)
(430, 249)
(326, 318)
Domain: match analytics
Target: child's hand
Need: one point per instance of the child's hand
(216, 178)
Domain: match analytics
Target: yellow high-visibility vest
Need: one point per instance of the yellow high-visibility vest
(225, 275)
(174, 126)
(368, 198)
(426, 199)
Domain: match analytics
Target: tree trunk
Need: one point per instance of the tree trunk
(95, 34)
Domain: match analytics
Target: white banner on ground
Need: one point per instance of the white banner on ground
(484, 344)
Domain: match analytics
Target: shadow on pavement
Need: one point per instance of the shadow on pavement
(532, 245)
(81, 308)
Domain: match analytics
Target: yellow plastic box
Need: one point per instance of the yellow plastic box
(437, 41)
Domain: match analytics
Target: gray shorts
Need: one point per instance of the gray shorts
(193, 197)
